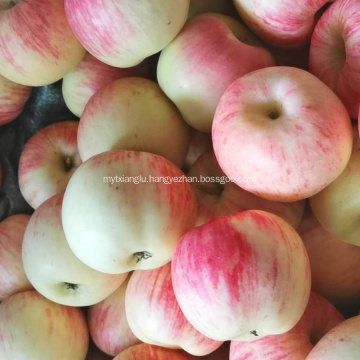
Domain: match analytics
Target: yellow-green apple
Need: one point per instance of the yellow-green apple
(335, 54)
(133, 114)
(12, 99)
(210, 53)
(13, 278)
(52, 268)
(286, 130)
(37, 44)
(129, 31)
(47, 162)
(341, 342)
(126, 210)
(225, 7)
(337, 207)
(80, 84)
(108, 324)
(280, 22)
(320, 316)
(242, 277)
(34, 328)
(155, 317)
(151, 352)
(335, 264)
(217, 196)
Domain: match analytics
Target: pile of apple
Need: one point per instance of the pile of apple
(170, 222)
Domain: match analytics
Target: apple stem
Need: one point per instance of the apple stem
(142, 255)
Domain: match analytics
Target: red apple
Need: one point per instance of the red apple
(242, 277)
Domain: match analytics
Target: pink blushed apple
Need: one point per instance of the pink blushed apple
(37, 46)
(242, 277)
(155, 317)
(13, 278)
(108, 324)
(285, 129)
(47, 162)
(320, 316)
(35, 328)
(210, 53)
(12, 99)
(335, 52)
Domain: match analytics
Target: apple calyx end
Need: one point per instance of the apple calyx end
(254, 332)
(70, 286)
(142, 255)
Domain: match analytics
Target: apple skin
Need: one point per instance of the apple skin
(108, 324)
(47, 162)
(335, 53)
(225, 7)
(320, 316)
(38, 46)
(222, 198)
(53, 269)
(210, 53)
(12, 99)
(280, 22)
(34, 328)
(127, 32)
(342, 342)
(151, 352)
(13, 278)
(232, 296)
(259, 131)
(80, 84)
(340, 282)
(155, 317)
(133, 114)
(142, 233)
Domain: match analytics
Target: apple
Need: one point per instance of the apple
(218, 196)
(342, 342)
(132, 114)
(210, 53)
(47, 162)
(242, 277)
(34, 328)
(12, 99)
(320, 316)
(37, 44)
(13, 278)
(128, 31)
(52, 268)
(335, 53)
(280, 22)
(155, 317)
(126, 210)
(285, 130)
(151, 352)
(80, 84)
(225, 7)
(108, 324)
(335, 265)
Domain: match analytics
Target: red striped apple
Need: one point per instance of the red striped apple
(342, 342)
(80, 84)
(242, 277)
(133, 114)
(37, 44)
(47, 162)
(13, 278)
(155, 317)
(217, 196)
(128, 31)
(12, 99)
(53, 269)
(210, 53)
(319, 317)
(34, 328)
(335, 52)
(126, 210)
(108, 324)
(285, 129)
